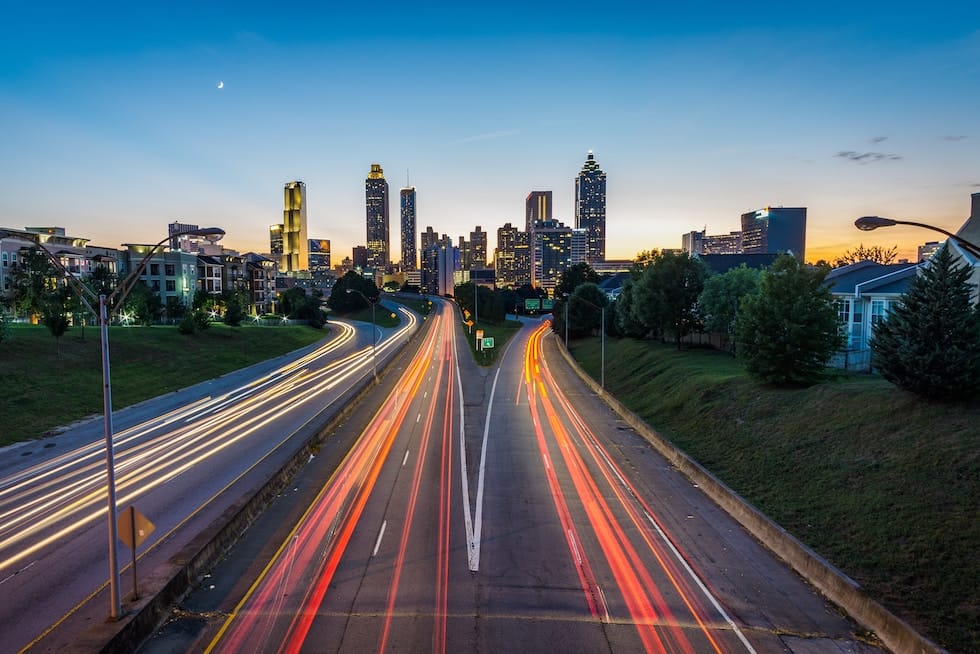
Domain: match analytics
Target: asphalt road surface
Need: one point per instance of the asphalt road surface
(181, 460)
(499, 510)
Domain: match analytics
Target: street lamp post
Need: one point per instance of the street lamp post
(868, 223)
(104, 314)
(374, 335)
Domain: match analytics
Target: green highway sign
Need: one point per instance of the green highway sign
(532, 304)
(487, 342)
(548, 304)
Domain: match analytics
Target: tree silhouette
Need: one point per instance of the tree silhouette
(788, 331)
(929, 344)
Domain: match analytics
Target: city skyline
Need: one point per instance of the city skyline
(112, 121)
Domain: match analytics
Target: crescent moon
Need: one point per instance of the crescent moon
(221, 85)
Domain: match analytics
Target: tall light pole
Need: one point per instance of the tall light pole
(374, 334)
(602, 335)
(104, 314)
(868, 223)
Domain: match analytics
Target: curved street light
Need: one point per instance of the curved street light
(104, 314)
(374, 332)
(868, 223)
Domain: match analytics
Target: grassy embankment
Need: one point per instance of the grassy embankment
(47, 384)
(882, 484)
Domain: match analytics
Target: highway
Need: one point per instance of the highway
(181, 460)
(505, 510)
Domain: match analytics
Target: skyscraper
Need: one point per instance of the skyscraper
(478, 249)
(376, 196)
(775, 230)
(537, 208)
(295, 246)
(429, 237)
(275, 244)
(409, 252)
(503, 255)
(465, 254)
(551, 249)
(590, 208)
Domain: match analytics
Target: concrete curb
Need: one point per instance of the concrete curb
(895, 633)
(169, 583)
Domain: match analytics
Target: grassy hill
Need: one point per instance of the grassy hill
(47, 383)
(882, 484)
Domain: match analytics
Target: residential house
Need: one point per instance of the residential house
(865, 292)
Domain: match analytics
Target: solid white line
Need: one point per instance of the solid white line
(463, 474)
(405, 460)
(704, 589)
(381, 534)
(578, 556)
(605, 606)
(475, 564)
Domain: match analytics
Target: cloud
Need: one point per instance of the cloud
(489, 136)
(954, 138)
(878, 139)
(867, 157)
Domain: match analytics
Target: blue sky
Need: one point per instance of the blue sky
(112, 123)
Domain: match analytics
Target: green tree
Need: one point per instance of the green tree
(102, 281)
(573, 277)
(187, 324)
(201, 319)
(4, 325)
(788, 331)
(625, 317)
(489, 307)
(142, 304)
(175, 308)
(510, 300)
(54, 314)
(666, 294)
(585, 310)
(875, 253)
(233, 310)
(202, 300)
(296, 304)
(340, 301)
(722, 296)
(930, 342)
(31, 279)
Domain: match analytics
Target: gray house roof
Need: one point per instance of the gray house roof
(866, 277)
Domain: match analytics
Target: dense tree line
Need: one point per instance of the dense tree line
(782, 321)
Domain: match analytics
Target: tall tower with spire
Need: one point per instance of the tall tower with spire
(376, 197)
(590, 208)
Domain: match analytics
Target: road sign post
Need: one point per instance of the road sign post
(134, 528)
